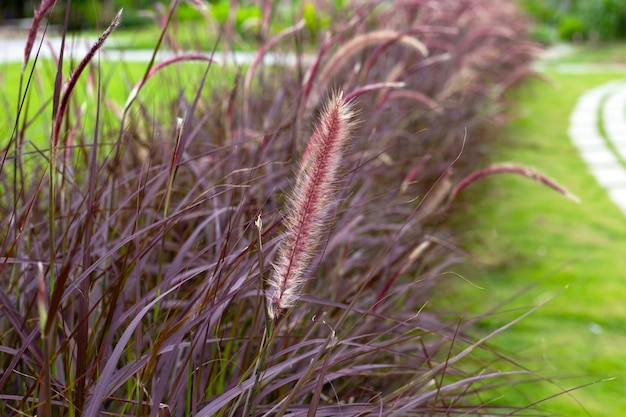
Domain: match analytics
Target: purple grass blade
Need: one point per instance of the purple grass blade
(71, 83)
(511, 169)
(44, 8)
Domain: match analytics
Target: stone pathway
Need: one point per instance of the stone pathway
(12, 50)
(598, 129)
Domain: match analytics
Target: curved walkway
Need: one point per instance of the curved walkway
(12, 50)
(598, 129)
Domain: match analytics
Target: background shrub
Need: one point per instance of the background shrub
(572, 28)
(246, 16)
(599, 20)
(604, 19)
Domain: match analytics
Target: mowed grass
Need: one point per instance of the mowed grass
(612, 53)
(188, 35)
(534, 246)
(116, 80)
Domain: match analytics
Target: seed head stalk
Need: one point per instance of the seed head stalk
(309, 203)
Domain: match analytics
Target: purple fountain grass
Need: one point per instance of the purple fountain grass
(511, 169)
(247, 85)
(74, 76)
(310, 200)
(351, 49)
(44, 8)
(154, 250)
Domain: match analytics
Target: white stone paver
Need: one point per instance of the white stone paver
(614, 116)
(12, 50)
(605, 154)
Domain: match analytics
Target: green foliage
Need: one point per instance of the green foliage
(89, 14)
(603, 20)
(542, 11)
(314, 20)
(606, 19)
(246, 15)
(83, 15)
(187, 13)
(571, 28)
(132, 4)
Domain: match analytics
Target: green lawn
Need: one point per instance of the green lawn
(534, 245)
(612, 53)
(117, 80)
(192, 35)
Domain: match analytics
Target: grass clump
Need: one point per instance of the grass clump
(138, 241)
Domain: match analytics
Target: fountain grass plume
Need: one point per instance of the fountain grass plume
(511, 169)
(310, 200)
(41, 12)
(75, 75)
(352, 48)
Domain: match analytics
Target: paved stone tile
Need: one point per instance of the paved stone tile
(604, 152)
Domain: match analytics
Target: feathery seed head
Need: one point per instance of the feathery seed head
(309, 204)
